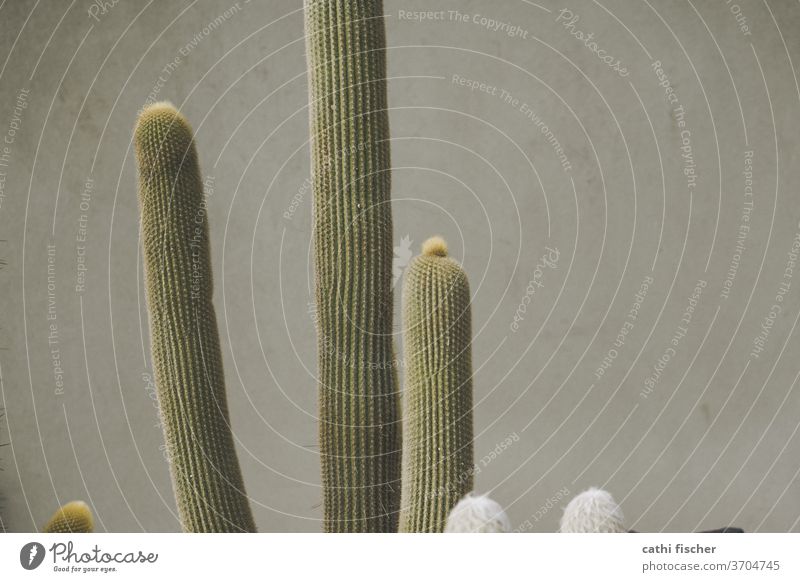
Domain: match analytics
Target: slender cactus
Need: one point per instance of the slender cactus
(2, 414)
(185, 343)
(358, 398)
(437, 440)
(73, 517)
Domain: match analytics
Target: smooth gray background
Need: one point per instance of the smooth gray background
(714, 444)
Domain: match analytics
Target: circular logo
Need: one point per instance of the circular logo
(31, 555)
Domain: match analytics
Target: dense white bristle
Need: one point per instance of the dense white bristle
(593, 511)
(477, 514)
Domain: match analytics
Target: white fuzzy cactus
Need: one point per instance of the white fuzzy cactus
(593, 511)
(477, 514)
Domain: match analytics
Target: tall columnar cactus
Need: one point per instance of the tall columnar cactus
(358, 398)
(437, 439)
(73, 517)
(185, 343)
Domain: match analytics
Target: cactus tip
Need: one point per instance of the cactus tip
(477, 514)
(160, 111)
(73, 517)
(435, 246)
(159, 106)
(593, 511)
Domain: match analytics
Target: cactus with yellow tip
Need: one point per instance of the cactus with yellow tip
(185, 343)
(358, 398)
(73, 517)
(437, 437)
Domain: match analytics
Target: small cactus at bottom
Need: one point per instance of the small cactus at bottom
(477, 514)
(437, 437)
(593, 511)
(187, 359)
(73, 517)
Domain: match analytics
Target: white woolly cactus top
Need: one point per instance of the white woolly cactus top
(593, 511)
(477, 514)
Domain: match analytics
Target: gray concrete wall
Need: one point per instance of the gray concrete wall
(550, 147)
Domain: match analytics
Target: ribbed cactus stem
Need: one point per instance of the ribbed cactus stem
(2, 524)
(73, 517)
(437, 436)
(185, 343)
(358, 399)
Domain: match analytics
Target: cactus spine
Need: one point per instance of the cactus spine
(358, 399)
(437, 439)
(186, 353)
(74, 517)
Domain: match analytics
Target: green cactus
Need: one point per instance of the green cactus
(358, 400)
(74, 517)
(2, 524)
(437, 439)
(185, 344)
